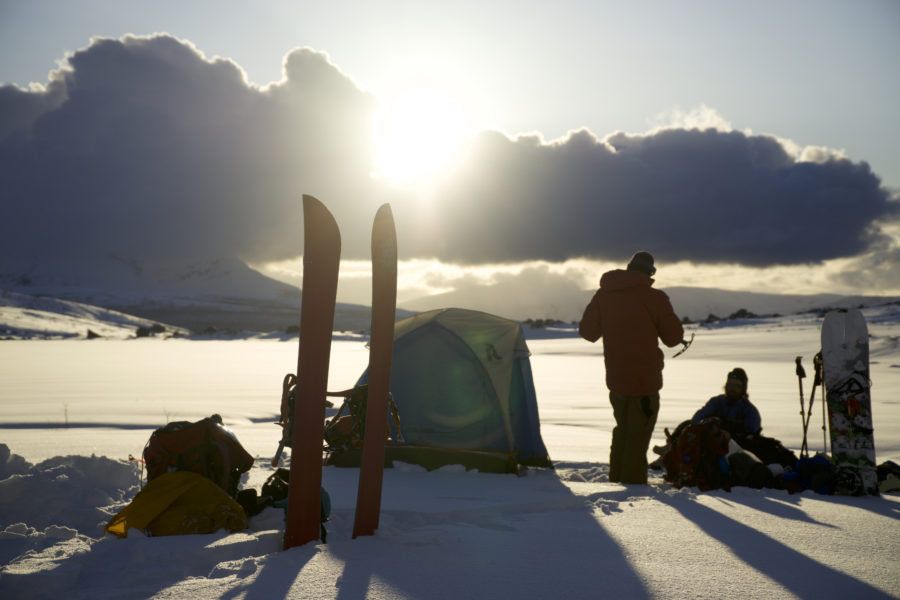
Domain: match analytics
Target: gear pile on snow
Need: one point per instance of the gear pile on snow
(193, 471)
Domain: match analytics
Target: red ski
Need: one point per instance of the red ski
(321, 261)
(381, 344)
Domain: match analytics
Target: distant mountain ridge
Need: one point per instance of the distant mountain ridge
(225, 293)
(215, 294)
(101, 279)
(698, 303)
(694, 303)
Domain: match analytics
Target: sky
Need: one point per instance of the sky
(746, 147)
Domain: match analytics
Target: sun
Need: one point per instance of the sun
(417, 135)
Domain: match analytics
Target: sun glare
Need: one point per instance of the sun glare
(417, 135)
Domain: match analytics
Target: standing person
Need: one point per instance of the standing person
(630, 315)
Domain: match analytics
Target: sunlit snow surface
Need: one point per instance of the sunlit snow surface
(563, 533)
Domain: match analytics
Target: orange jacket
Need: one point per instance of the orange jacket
(630, 315)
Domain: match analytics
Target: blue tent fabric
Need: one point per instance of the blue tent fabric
(524, 412)
(462, 381)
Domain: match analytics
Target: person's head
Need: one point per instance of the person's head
(736, 383)
(643, 263)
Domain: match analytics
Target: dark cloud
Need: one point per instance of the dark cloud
(703, 196)
(21, 107)
(143, 148)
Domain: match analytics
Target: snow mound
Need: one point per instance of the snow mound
(75, 492)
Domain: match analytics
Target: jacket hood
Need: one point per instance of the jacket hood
(620, 279)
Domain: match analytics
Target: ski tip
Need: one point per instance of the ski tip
(384, 211)
(311, 200)
(313, 205)
(384, 223)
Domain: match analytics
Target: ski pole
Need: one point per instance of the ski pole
(804, 450)
(817, 381)
(820, 374)
(800, 375)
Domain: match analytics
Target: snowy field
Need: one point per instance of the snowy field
(75, 409)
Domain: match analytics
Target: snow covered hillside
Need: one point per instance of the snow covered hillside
(23, 316)
(71, 412)
(26, 317)
(220, 293)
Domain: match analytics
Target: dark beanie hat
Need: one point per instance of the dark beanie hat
(738, 374)
(642, 262)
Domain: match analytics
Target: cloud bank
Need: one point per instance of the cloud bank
(143, 147)
(704, 196)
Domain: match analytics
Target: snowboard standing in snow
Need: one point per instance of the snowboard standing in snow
(321, 261)
(845, 358)
(381, 343)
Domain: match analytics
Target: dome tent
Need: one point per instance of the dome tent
(464, 391)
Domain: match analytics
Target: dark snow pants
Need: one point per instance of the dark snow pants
(635, 420)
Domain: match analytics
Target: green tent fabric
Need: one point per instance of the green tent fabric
(462, 382)
(176, 503)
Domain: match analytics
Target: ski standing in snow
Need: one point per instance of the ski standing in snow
(384, 304)
(321, 262)
(845, 360)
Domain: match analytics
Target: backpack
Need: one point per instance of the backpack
(274, 492)
(346, 430)
(769, 450)
(286, 418)
(747, 470)
(816, 473)
(205, 447)
(698, 457)
(888, 476)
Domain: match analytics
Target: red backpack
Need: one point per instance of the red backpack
(698, 457)
(205, 447)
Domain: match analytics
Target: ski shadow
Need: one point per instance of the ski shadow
(465, 552)
(799, 574)
(278, 574)
(789, 506)
(874, 504)
(459, 535)
(776, 503)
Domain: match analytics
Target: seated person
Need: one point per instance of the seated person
(733, 409)
(734, 413)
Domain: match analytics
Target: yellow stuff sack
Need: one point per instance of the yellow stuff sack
(178, 503)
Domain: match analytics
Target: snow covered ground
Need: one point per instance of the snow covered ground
(71, 411)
